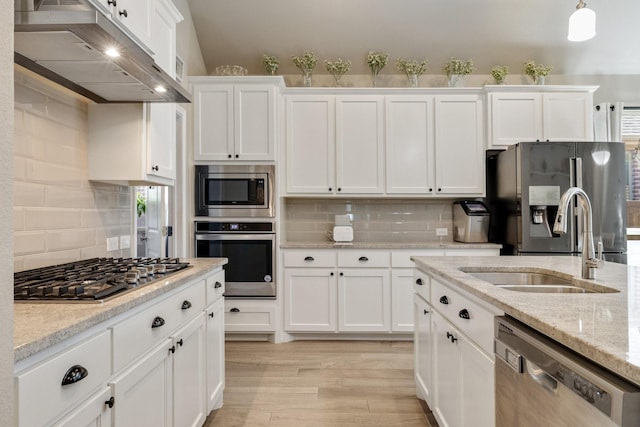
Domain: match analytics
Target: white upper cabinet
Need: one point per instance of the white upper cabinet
(459, 145)
(540, 113)
(136, 16)
(235, 119)
(163, 30)
(335, 144)
(409, 144)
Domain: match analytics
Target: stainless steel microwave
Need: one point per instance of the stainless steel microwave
(234, 191)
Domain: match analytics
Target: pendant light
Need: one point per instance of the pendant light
(582, 23)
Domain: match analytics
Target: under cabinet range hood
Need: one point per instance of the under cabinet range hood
(64, 41)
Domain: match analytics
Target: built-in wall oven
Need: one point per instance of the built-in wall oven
(250, 249)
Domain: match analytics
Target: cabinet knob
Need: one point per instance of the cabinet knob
(439, 189)
(123, 13)
(331, 273)
(212, 314)
(110, 402)
(186, 305)
(217, 285)
(451, 337)
(235, 310)
(230, 156)
(157, 322)
(180, 342)
(74, 374)
(339, 189)
(330, 189)
(237, 156)
(363, 259)
(172, 349)
(430, 190)
(419, 282)
(426, 311)
(464, 314)
(112, 3)
(155, 168)
(342, 274)
(444, 300)
(308, 258)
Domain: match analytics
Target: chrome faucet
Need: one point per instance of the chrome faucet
(589, 260)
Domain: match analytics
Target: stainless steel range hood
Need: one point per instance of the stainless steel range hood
(64, 40)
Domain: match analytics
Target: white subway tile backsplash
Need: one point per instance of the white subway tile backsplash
(28, 242)
(78, 198)
(28, 194)
(51, 218)
(69, 239)
(50, 258)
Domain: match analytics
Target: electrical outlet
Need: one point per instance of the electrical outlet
(441, 232)
(125, 242)
(112, 244)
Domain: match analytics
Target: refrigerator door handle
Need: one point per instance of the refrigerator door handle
(572, 172)
(578, 172)
(575, 180)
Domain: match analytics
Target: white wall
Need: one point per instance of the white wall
(6, 221)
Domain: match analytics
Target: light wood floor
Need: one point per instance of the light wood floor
(320, 383)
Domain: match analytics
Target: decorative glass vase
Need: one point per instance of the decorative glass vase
(538, 80)
(374, 77)
(306, 78)
(413, 80)
(337, 79)
(456, 80)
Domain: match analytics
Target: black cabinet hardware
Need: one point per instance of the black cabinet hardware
(430, 190)
(339, 189)
(113, 3)
(180, 342)
(363, 258)
(74, 374)
(426, 311)
(451, 337)
(157, 322)
(329, 188)
(331, 273)
(464, 314)
(186, 305)
(237, 155)
(110, 402)
(211, 314)
(444, 300)
(309, 258)
(419, 282)
(235, 310)
(155, 168)
(342, 274)
(230, 156)
(172, 349)
(217, 285)
(123, 13)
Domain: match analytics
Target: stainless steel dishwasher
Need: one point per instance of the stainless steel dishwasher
(541, 383)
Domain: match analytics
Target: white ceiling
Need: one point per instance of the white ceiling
(490, 32)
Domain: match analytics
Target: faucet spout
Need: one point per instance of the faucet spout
(589, 260)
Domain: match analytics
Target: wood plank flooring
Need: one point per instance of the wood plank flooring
(320, 383)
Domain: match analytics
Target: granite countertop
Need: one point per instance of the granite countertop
(604, 327)
(38, 326)
(387, 245)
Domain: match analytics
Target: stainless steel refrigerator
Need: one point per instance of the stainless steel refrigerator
(524, 185)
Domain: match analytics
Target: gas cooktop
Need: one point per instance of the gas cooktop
(93, 280)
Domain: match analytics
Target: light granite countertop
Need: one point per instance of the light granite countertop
(387, 245)
(38, 326)
(604, 327)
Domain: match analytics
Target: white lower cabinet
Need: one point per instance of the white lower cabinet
(96, 411)
(310, 296)
(364, 300)
(423, 359)
(402, 300)
(215, 354)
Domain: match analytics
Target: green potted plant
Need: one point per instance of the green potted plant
(305, 63)
(455, 69)
(413, 69)
(376, 61)
(141, 205)
(271, 64)
(337, 69)
(537, 72)
(499, 73)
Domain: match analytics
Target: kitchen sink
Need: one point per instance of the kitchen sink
(536, 282)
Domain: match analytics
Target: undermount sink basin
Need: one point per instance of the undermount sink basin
(536, 282)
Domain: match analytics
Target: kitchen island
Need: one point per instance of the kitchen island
(603, 327)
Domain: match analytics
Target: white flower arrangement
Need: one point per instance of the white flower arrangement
(499, 73)
(534, 70)
(410, 67)
(270, 63)
(306, 63)
(458, 66)
(338, 67)
(377, 61)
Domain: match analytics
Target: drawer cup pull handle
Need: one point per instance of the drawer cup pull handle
(464, 314)
(444, 300)
(235, 310)
(186, 305)
(308, 258)
(110, 402)
(363, 259)
(419, 282)
(217, 285)
(74, 374)
(157, 322)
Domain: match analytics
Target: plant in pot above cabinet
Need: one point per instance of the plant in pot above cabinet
(499, 73)
(413, 69)
(537, 72)
(456, 69)
(271, 64)
(337, 69)
(305, 63)
(376, 61)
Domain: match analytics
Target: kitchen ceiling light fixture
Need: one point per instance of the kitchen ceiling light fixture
(112, 52)
(582, 23)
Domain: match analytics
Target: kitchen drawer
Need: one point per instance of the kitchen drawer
(478, 327)
(310, 258)
(364, 258)
(40, 395)
(422, 284)
(215, 286)
(249, 316)
(402, 258)
(137, 334)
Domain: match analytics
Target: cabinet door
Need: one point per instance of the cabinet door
(446, 373)
(255, 122)
(310, 134)
(364, 300)
(409, 144)
(94, 412)
(310, 299)
(359, 145)
(213, 122)
(567, 116)
(459, 144)
(143, 392)
(161, 144)
(215, 355)
(515, 117)
(423, 349)
(189, 388)
(477, 386)
(163, 39)
(402, 300)
(136, 15)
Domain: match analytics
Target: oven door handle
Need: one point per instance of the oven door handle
(233, 236)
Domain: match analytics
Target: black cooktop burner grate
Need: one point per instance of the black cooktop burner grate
(92, 280)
